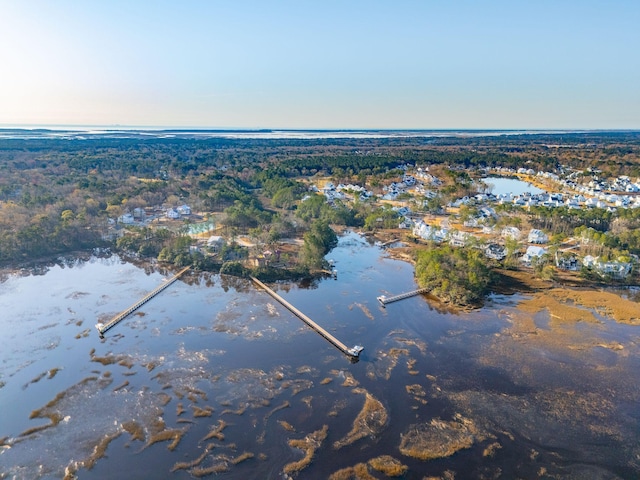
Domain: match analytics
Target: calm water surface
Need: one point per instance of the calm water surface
(214, 376)
(513, 186)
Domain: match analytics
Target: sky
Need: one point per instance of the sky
(330, 64)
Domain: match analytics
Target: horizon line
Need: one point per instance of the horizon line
(168, 128)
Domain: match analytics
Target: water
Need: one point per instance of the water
(213, 356)
(506, 186)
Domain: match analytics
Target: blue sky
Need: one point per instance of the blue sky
(323, 64)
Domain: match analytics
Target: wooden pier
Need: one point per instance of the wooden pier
(386, 244)
(353, 352)
(103, 327)
(383, 299)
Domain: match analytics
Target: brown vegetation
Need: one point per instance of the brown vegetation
(216, 431)
(134, 429)
(358, 472)
(309, 445)
(437, 439)
(369, 422)
(388, 465)
(559, 302)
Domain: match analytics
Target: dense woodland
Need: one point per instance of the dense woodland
(57, 195)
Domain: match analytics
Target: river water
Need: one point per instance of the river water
(214, 378)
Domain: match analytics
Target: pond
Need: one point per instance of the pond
(213, 377)
(512, 186)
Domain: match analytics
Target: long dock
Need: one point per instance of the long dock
(352, 352)
(103, 327)
(383, 299)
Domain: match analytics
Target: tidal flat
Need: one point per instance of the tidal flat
(212, 379)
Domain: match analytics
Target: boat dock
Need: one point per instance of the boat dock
(103, 327)
(386, 244)
(383, 299)
(353, 352)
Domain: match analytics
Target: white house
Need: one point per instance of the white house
(511, 232)
(173, 214)
(495, 251)
(459, 239)
(215, 243)
(126, 218)
(139, 213)
(537, 236)
(533, 252)
(184, 210)
(615, 269)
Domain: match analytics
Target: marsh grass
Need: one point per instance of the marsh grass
(574, 305)
(388, 465)
(308, 445)
(134, 429)
(369, 422)
(216, 431)
(437, 439)
(198, 412)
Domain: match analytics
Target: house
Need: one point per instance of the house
(614, 269)
(533, 252)
(173, 214)
(511, 232)
(488, 212)
(126, 218)
(537, 236)
(184, 210)
(139, 213)
(472, 222)
(567, 261)
(215, 243)
(459, 239)
(495, 251)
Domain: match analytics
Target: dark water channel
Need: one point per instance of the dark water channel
(213, 378)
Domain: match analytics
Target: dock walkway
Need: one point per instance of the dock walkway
(103, 327)
(352, 352)
(383, 299)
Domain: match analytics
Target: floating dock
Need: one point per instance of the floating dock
(383, 299)
(103, 327)
(353, 352)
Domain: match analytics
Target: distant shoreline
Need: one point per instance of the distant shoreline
(116, 131)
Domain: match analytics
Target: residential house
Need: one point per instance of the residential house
(511, 232)
(215, 243)
(533, 252)
(126, 219)
(495, 251)
(173, 214)
(614, 269)
(567, 261)
(537, 236)
(184, 210)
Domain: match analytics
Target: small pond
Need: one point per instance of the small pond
(513, 186)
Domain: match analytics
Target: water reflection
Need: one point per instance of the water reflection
(213, 376)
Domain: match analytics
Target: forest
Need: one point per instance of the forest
(59, 196)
